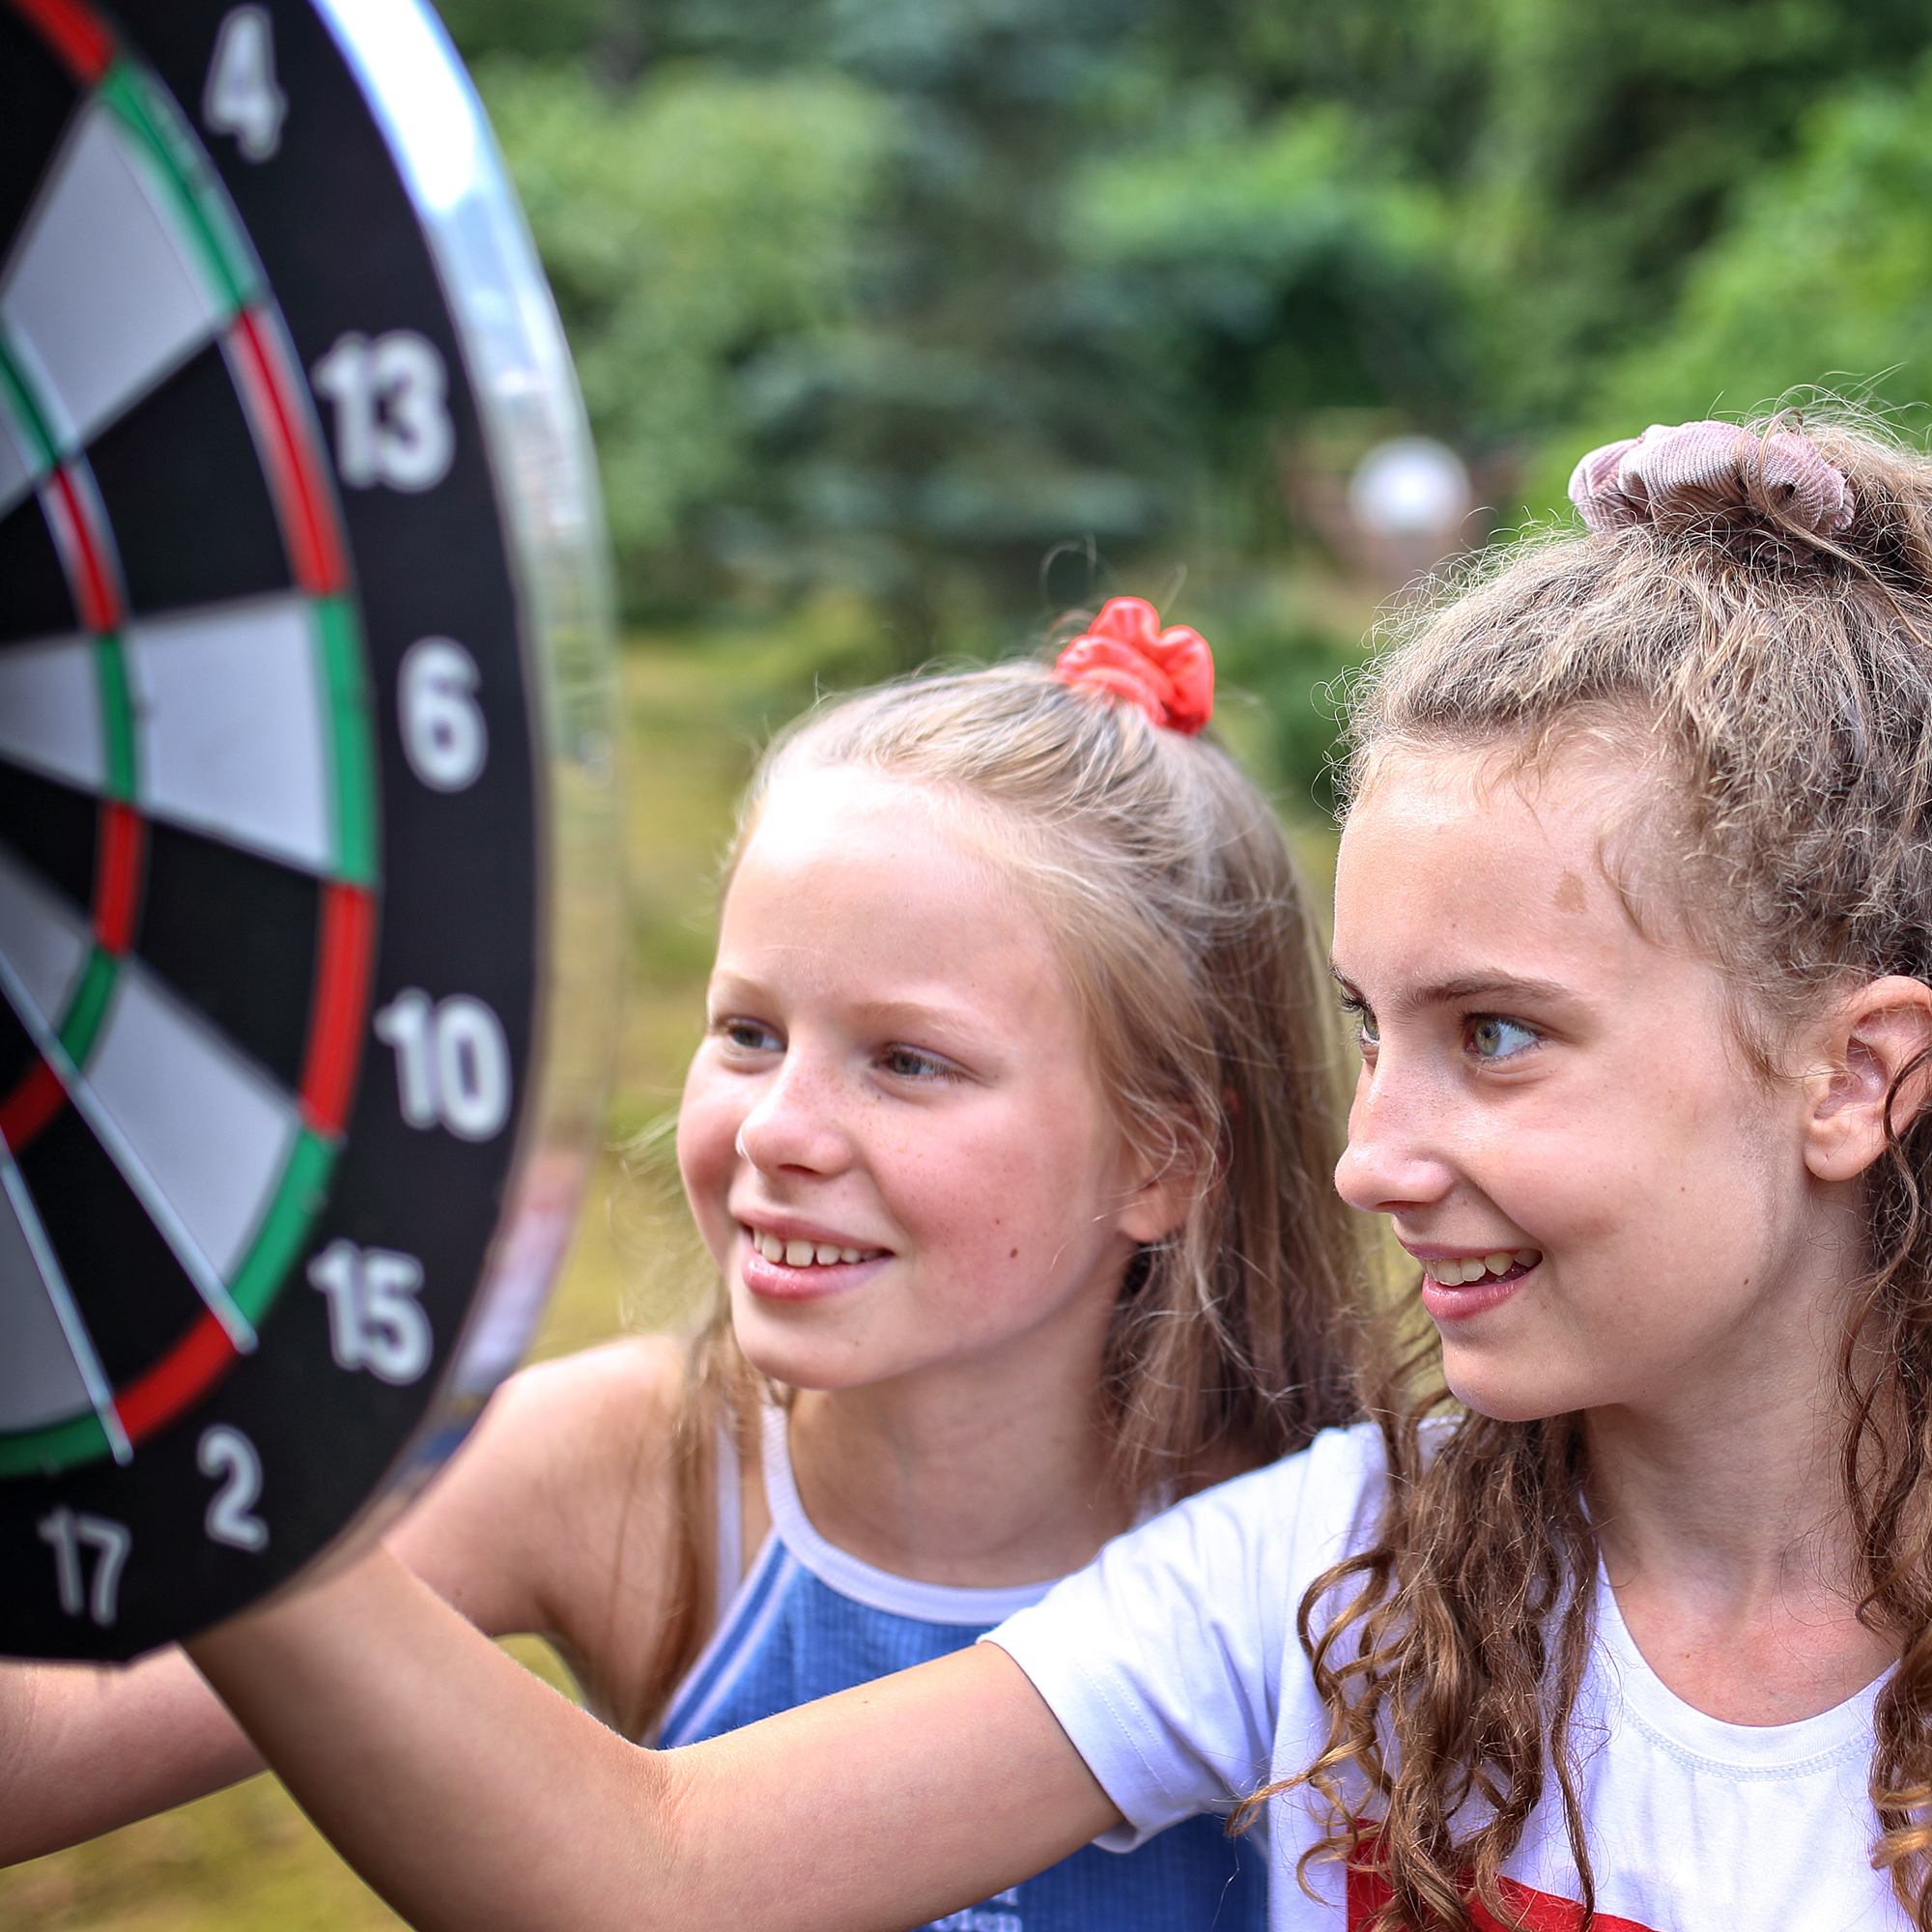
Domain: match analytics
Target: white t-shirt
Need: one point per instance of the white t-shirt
(1173, 1663)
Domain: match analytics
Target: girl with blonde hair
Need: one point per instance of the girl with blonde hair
(1009, 1135)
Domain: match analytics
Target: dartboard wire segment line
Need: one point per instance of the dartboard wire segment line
(308, 916)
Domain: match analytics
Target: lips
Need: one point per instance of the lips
(1455, 1289)
(794, 1266)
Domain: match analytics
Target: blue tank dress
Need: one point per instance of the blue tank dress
(808, 1620)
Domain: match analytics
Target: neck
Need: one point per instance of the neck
(977, 1480)
(1721, 1518)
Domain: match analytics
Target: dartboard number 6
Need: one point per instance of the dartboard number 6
(375, 1320)
(241, 96)
(452, 1062)
(392, 411)
(74, 1537)
(444, 736)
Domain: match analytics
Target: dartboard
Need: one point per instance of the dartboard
(301, 795)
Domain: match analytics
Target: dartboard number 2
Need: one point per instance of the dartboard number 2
(228, 1455)
(375, 1322)
(70, 1534)
(452, 1062)
(391, 410)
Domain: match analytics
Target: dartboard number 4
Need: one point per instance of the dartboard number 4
(445, 737)
(227, 1455)
(375, 1322)
(452, 1062)
(241, 96)
(75, 1536)
(391, 410)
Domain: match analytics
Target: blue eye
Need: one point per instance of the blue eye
(1494, 1038)
(749, 1035)
(907, 1063)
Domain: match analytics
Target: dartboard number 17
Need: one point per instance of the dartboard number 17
(269, 833)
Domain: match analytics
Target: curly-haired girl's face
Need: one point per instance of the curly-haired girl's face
(1608, 1207)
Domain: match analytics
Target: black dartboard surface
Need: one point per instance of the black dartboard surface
(305, 929)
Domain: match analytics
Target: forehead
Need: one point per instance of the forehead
(851, 874)
(1454, 862)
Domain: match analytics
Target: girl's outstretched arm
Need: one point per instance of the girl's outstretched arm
(554, 1518)
(84, 1749)
(473, 1797)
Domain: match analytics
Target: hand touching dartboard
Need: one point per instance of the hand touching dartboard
(301, 780)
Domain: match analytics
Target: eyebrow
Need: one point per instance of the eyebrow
(886, 1014)
(1503, 986)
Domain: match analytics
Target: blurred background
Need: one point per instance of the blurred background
(905, 326)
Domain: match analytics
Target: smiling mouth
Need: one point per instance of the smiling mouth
(808, 1253)
(1462, 1271)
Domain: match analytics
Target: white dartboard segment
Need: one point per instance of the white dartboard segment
(19, 466)
(230, 735)
(208, 1130)
(102, 296)
(40, 1379)
(50, 711)
(43, 940)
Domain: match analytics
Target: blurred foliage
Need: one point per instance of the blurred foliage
(685, 225)
(958, 312)
(1824, 274)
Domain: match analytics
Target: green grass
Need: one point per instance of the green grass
(696, 710)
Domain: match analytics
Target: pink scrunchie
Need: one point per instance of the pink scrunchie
(1678, 478)
(1168, 675)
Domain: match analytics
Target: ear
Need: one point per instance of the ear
(1157, 1192)
(1873, 1035)
(1155, 1208)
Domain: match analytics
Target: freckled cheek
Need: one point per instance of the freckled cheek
(706, 1154)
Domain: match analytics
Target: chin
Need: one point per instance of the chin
(1505, 1398)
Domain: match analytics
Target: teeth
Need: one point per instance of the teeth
(1454, 1272)
(803, 1254)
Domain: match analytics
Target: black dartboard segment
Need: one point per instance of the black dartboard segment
(287, 790)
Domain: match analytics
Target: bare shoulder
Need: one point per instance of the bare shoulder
(560, 1513)
(575, 1415)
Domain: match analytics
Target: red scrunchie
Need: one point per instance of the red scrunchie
(1168, 675)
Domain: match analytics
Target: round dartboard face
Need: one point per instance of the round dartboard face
(272, 817)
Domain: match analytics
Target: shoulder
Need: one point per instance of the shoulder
(1299, 1515)
(1169, 1658)
(569, 1461)
(1231, 1565)
(623, 1396)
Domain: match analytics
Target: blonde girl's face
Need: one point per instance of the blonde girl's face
(1609, 1207)
(891, 1137)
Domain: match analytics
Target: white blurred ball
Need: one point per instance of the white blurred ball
(1410, 486)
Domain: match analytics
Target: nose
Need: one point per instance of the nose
(797, 1123)
(1396, 1159)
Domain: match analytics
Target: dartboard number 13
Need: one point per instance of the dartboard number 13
(270, 863)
